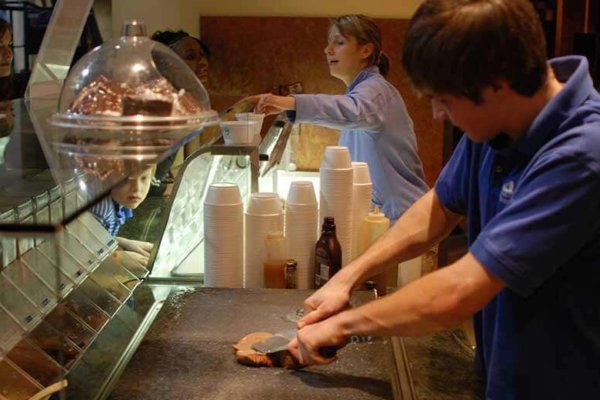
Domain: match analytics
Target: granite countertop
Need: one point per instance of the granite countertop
(441, 369)
(188, 354)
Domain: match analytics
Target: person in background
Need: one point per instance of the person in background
(196, 54)
(193, 51)
(372, 116)
(526, 175)
(10, 86)
(114, 210)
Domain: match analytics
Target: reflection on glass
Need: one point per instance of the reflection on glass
(30, 285)
(35, 363)
(73, 328)
(86, 310)
(54, 344)
(16, 385)
(17, 305)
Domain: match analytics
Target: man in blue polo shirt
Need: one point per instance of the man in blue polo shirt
(527, 177)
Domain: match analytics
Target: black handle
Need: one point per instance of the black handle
(328, 351)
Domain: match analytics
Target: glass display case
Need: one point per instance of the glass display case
(73, 303)
(72, 299)
(249, 167)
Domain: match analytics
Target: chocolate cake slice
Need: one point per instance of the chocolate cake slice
(156, 98)
(101, 97)
(148, 103)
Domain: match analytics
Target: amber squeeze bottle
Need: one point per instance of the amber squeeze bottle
(328, 253)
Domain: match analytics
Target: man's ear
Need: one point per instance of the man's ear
(501, 86)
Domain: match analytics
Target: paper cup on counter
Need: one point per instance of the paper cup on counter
(238, 132)
(336, 200)
(223, 236)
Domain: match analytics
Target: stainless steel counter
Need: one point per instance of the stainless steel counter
(188, 354)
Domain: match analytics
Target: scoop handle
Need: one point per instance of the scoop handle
(328, 351)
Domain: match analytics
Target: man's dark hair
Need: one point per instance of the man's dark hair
(459, 47)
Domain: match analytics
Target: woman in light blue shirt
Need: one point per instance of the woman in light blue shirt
(372, 116)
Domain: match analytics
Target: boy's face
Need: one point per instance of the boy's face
(134, 190)
(480, 121)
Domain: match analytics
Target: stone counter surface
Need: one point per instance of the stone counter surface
(188, 354)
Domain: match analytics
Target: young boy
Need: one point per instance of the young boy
(114, 210)
(527, 177)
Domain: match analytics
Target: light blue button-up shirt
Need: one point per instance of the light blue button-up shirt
(377, 129)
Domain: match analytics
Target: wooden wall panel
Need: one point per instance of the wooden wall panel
(253, 54)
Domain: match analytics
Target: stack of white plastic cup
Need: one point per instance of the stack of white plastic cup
(362, 189)
(258, 118)
(336, 175)
(264, 215)
(301, 227)
(223, 236)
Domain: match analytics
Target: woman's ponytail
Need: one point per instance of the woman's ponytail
(383, 63)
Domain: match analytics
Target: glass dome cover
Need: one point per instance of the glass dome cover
(134, 90)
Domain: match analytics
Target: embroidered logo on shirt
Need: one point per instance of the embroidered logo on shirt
(507, 192)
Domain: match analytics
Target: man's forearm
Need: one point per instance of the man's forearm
(438, 301)
(418, 229)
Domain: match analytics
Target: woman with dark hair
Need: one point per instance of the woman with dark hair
(192, 50)
(195, 54)
(372, 116)
(9, 86)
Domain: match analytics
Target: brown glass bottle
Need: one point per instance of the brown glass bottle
(328, 254)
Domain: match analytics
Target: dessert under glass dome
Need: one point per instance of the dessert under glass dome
(130, 98)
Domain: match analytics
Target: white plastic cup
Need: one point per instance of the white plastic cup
(361, 174)
(301, 192)
(264, 203)
(238, 132)
(336, 157)
(223, 193)
(258, 118)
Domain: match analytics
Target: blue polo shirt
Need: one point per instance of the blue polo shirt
(534, 222)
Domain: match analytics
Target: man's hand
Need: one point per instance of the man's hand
(327, 301)
(310, 339)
